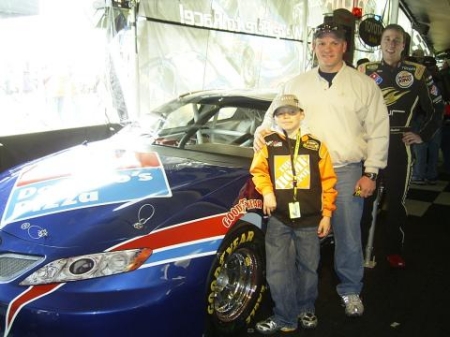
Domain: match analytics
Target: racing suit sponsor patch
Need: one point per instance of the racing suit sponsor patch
(404, 79)
(274, 143)
(392, 95)
(377, 78)
(311, 145)
(434, 90)
(372, 67)
(420, 70)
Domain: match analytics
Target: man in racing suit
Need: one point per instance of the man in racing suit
(407, 88)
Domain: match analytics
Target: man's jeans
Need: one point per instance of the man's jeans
(346, 225)
(292, 261)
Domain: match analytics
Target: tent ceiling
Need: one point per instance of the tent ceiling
(431, 18)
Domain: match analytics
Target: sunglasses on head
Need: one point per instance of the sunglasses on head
(327, 27)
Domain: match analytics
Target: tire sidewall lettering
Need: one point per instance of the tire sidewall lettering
(239, 238)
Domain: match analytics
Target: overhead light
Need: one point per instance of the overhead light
(122, 3)
(357, 12)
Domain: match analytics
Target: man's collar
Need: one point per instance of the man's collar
(383, 62)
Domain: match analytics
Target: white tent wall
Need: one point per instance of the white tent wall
(194, 45)
(189, 45)
(51, 67)
(12, 8)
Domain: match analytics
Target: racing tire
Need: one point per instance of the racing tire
(236, 282)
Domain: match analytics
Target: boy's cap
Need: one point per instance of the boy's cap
(283, 101)
(329, 28)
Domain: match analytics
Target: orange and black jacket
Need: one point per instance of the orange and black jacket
(272, 172)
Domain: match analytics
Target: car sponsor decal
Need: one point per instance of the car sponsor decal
(240, 208)
(41, 190)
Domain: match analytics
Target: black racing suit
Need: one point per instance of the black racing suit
(407, 89)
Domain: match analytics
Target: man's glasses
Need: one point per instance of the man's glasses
(289, 112)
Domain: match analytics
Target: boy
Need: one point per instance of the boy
(294, 174)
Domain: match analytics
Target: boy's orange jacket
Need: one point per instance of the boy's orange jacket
(272, 172)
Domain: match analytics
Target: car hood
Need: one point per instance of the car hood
(95, 190)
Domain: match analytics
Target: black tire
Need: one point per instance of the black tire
(236, 283)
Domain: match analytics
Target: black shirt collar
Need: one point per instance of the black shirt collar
(327, 76)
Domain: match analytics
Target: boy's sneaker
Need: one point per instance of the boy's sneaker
(269, 326)
(353, 305)
(308, 320)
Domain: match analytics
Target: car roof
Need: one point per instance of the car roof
(256, 98)
(258, 94)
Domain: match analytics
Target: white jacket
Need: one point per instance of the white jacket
(350, 117)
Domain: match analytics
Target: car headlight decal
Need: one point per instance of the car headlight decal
(88, 266)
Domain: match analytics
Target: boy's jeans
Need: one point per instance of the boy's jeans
(292, 260)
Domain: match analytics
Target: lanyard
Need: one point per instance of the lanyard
(294, 157)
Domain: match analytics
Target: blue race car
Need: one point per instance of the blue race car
(156, 231)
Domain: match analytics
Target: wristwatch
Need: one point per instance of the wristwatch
(370, 175)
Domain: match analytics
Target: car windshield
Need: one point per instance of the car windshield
(199, 126)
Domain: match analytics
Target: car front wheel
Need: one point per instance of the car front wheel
(236, 283)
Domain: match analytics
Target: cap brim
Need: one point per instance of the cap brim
(287, 106)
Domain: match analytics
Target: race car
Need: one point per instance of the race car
(156, 231)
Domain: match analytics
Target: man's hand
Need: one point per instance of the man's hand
(365, 187)
(258, 138)
(411, 138)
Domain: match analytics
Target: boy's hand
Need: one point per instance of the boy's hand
(270, 203)
(324, 227)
